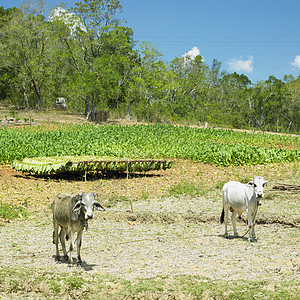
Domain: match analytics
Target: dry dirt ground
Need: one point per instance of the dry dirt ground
(165, 235)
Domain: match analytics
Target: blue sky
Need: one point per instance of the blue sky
(255, 38)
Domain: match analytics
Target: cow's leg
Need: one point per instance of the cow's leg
(226, 219)
(55, 239)
(226, 208)
(71, 236)
(79, 240)
(250, 224)
(62, 236)
(254, 222)
(233, 219)
(253, 233)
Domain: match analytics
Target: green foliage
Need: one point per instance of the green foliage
(27, 52)
(198, 288)
(220, 184)
(10, 212)
(146, 285)
(97, 286)
(96, 66)
(145, 196)
(54, 287)
(219, 147)
(74, 282)
(245, 180)
(186, 188)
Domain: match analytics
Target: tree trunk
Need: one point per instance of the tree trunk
(128, 115)
(38, 94)
(87, 106)
(25, 97)
(39, 100)
(93, 112)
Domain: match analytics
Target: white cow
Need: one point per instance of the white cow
(61, 103)
(239, 197)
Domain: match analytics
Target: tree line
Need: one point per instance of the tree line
(87, 55)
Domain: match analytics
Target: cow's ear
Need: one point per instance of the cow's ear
(77, 197)
(77, 206)
(266, 181)
(98, 206)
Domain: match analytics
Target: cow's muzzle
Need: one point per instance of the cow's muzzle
(89, 216)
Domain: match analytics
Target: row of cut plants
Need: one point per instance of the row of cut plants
(50, 165)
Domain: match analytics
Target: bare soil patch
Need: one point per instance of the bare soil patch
(157, 242)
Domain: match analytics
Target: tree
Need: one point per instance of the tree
(5, 17)
(292, 117)
(7, 14)
(149, 86)
(192, 90)
(140, 77)
(122, 60)
(26, 50)
(89, 22)
(235, 94)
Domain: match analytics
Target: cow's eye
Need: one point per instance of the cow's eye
(255, 185)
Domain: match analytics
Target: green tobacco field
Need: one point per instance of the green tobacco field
(218, 147)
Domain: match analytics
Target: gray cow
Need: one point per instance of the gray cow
(71, 214)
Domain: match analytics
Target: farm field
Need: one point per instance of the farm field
(218, 147)
(171, 245)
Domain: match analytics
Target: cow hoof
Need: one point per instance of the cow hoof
(65, 259)
(79, 262)
(57, 258)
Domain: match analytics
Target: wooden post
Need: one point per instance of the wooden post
(127, 171)
(85, 171)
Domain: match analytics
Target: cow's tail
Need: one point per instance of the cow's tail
(222, 216)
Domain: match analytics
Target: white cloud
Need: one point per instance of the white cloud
(58, 12)
(240, 65)
(68, 18)
(296, 62)
(192, 53)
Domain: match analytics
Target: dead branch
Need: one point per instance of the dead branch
(286, 187)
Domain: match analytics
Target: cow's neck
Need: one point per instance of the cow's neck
(83, 221)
